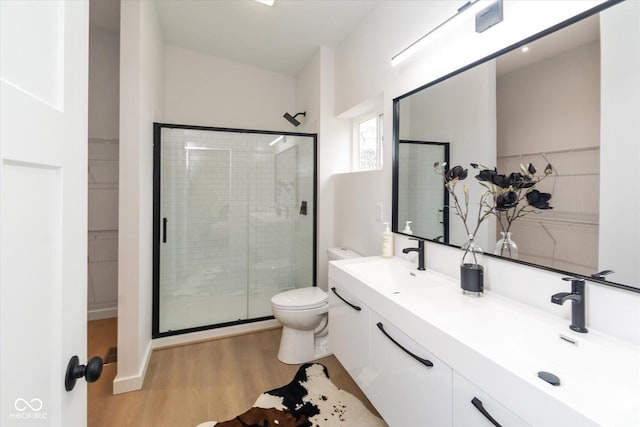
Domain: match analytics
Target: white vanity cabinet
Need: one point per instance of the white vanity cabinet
(410, 386)
(391, 368)
(490, 361)
(473, 407)
(349, 333)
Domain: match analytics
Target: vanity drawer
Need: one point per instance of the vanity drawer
(410, 386)
(466, 414)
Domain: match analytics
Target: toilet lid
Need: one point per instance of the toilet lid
(302, 298)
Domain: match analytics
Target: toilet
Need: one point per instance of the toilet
(303, 314)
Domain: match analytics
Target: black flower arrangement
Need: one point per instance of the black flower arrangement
(452, 178)
(515, 195)
(508, 197)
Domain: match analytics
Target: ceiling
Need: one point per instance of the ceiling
(281, 38)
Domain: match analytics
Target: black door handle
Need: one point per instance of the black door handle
(91, 371)
(355, 307)
(425, 362)
(480, 407)
(164, 230)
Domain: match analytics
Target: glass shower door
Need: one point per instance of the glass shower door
(234, 221)
(281, 223)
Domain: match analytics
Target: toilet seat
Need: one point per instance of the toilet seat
(300, 299)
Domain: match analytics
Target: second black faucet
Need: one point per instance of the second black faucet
(419, 249)
(577, 298)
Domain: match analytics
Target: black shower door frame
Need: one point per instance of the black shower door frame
(157, 221)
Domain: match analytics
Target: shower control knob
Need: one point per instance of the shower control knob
(91, 371)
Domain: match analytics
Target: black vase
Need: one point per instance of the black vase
(472, 269)
(472, 279)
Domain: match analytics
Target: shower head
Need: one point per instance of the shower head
(292, 119)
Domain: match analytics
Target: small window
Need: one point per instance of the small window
(368, 143)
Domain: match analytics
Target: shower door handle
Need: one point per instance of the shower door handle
(164, 230)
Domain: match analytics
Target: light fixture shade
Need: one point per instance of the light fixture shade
(468, 9)
(267, 2)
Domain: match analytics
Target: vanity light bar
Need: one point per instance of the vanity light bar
(470, 8)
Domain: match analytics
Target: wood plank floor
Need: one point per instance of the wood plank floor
(187, 385)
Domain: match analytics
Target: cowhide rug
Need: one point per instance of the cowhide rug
(310, 400)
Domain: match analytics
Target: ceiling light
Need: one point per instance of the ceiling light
(468, 9)
(525, 48)
(267, 2)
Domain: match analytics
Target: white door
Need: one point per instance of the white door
(43, 209)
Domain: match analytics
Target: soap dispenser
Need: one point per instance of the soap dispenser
(407, 228)
(387, 242)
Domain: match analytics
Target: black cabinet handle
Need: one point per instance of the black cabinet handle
(164, 230)
(478, 404)
(355, 307)
(425, 362)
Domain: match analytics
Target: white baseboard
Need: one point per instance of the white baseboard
(209, 334)
(102, 313)
(133, 382)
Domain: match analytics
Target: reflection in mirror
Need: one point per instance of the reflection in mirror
(539, 103)
(421, 197)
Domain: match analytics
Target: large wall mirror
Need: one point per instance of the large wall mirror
(550, 99)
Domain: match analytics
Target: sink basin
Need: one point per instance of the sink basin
(392, 275)
(526, 341)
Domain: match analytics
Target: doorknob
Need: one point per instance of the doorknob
(91, 371)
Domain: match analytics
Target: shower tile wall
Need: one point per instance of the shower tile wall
(237, 242)
(420, 189)
(304, 223)
(270, 250)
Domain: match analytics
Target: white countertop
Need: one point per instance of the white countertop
(501, 345)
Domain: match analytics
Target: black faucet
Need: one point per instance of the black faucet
(419, 249)
(577, 298)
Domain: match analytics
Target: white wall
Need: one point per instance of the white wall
(307, 95)
(202, 89)
(141, 95)
(315, 91)
(356, 226)
(363, 70)
(334, 150)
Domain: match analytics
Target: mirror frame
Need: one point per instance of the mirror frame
(396, 137)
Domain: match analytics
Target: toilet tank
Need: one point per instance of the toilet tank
(334, 254)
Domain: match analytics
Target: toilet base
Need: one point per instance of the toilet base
(298, 347)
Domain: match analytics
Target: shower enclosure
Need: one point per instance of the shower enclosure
(234, 224)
